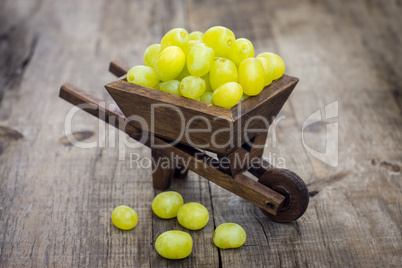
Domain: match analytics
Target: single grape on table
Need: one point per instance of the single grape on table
(229, 235)
(124, 217)
(174, 245)
(193, 216)
(166, 204)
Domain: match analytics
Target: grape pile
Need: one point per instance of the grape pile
(213, 67)
(176, 244)
(193, 216)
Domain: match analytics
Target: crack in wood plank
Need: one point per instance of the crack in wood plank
(78, 136)
(316, 186)
(9, 134)
(390, 166)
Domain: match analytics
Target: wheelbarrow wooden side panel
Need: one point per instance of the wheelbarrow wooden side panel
(170, 116)
(217, 129)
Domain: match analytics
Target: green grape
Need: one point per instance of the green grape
(268, 70)
(227, 95)
(221, 39)
(229, 235)
(183, 73)
(171, 86)
(142, 75)
(251, 76)
(196, 35)
(124, 217)
(170, 63)
(193, 216)
(166, 204)
(242, 49)
(200, 59)
(189, 45)
(277, 63)
(151, 55)
(175, 37)
(207, 97)
(192, 87)
(207, 82)
(222, 71)
(174, 245)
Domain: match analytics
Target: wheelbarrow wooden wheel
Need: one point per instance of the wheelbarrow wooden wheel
(290, 185)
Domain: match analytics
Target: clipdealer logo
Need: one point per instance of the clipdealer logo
(329, 112)
(330, 156)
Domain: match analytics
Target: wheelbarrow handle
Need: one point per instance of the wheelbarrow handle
(118, 68)
(111, 114)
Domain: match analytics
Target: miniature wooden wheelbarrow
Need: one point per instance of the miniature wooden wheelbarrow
(156, 118)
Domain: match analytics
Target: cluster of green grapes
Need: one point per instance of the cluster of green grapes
(193, 216)
(213, 67)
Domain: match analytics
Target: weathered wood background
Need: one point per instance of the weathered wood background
(56, 199)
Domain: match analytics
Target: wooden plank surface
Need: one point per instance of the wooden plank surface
(56, 199)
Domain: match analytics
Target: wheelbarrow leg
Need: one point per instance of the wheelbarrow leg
(162, 171)
(180, 172)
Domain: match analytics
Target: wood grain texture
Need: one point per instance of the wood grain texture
(56, 200)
